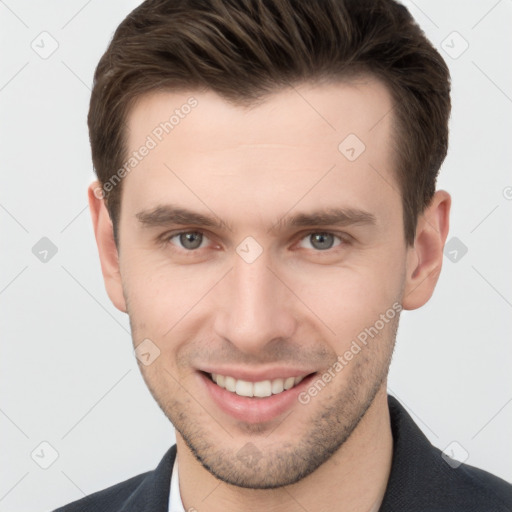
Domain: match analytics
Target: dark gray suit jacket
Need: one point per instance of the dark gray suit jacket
(420, 481)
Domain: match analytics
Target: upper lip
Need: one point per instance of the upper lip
(254, 375)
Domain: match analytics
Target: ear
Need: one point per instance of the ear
(109, 257)
(425, 257)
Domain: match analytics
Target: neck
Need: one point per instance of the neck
(353, 479)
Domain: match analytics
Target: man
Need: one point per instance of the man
(265, 209)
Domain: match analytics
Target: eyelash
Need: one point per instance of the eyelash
(165, 240)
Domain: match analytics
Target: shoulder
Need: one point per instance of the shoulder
(147, 491)
(480, 489)
(422, 478)
(114, 496)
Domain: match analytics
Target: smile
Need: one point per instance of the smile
(259, 389)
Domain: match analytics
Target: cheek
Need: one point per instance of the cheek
(159, 295)
(347, 300)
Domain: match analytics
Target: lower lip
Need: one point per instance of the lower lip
(253, 409)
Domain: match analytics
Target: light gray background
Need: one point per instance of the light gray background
(68, 375)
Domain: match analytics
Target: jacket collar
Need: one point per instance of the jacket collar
(152, 494)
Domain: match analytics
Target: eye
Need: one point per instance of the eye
(188, 240)
(321, 241)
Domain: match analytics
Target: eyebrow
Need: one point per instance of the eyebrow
(166, 215)
(341, 217)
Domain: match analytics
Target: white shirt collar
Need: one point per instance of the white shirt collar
(175, 503)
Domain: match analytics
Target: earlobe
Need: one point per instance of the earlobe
(425, 258)
(108, 253)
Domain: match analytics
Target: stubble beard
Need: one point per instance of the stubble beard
(270, 466)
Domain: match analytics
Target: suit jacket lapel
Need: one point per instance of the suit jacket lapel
(152, 495)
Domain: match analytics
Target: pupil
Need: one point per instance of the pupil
(191, 240)
(322, 241)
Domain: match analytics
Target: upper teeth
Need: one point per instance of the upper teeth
(259, 389)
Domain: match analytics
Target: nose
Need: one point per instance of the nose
(254, 307)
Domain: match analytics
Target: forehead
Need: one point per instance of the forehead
(308, 143)
(331, 108)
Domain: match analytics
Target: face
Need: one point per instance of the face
(258, 248)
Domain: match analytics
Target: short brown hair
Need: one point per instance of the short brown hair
(246, 49)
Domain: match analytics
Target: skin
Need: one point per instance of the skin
(294, 306)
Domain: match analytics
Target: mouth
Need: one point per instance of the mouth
(260, 389)
(255, 401)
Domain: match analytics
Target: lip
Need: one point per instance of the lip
(258, 376)
(253, 410)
